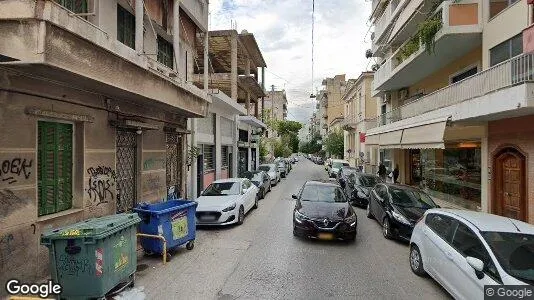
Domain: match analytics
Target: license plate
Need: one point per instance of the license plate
(208, 218)
(325, 236)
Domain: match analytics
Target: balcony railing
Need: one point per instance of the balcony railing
(386, 18)
(506, 74)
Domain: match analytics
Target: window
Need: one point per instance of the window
(441, 225)
(466, 242)
(76, 6)
(125, 27)
(464, 75)
(496, 6)
(506, 50)
(209, 157)
(54, 167)
(224, 156)
(165, 52)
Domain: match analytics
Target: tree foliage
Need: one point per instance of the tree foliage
(280, 148)
(313, 146)
(287, 127)
(334, 143)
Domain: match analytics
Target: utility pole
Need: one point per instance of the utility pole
(262, 97)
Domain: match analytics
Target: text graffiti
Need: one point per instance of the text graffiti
(9, 202)
(73, 265)
(101, 183)
(13, 170)
(6, 247)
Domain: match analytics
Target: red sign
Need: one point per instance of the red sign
(362, 137)
(530, 1)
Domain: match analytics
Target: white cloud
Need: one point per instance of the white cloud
(283, 31)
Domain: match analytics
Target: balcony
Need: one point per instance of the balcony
(461, 32)
(495, 93)
(350, 121)
(385, 21)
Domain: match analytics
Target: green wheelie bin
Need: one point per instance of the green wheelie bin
(90, 258)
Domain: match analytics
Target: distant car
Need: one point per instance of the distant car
(467, 250)
(398, 208)
(320, 161)
(282, 167)
(323, 212)
(337, 164)
(262, 181)
(226, 201)
(359, 186)
(343, 175)
(272, 171)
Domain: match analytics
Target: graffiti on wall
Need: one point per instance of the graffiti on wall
(6, 247)
(154, 163)
(13, 170)
(101, 185)
(9, 202)
(74, 264)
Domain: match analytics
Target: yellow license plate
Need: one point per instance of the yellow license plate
(325, 236)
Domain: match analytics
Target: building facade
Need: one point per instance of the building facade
(454, 100)
(93, 114)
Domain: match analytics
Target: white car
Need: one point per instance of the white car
(337, 164)
(226, 201)
(466, 250)
(272, 171)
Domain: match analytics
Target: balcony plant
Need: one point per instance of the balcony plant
(428, 30)
(409, 48)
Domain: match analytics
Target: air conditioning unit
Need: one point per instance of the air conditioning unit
(403, 93)
(387, 98)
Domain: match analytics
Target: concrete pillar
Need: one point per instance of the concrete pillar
(247, 103)
(206, 60)
(256, 109)
(139, 13)
(249, 167)
(235, 150)
(247, 67)
(262, 98)
(233, 75)
(218, 156)
(191, 125)
(485, 201)
(176, 35)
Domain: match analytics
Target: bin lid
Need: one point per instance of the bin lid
(96, 228)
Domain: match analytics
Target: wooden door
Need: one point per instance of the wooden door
(509, 193)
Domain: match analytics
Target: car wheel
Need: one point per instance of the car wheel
(241, 216)
(369, 214)
(386, 229)
(256, 202)
(416, 261)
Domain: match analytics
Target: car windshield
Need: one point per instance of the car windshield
(339, 164)
(322, 193)
(367, 181)
(264, 168)
(411, 198)
(222, 189)
(348, 171)
(515, 253)
(257, 177)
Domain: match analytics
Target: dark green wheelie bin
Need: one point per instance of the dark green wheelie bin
(88, 259)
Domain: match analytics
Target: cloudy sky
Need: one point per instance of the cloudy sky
(283, 31)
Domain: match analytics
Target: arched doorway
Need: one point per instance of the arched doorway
(509, 188)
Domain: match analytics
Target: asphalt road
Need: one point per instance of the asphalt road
(262, 260)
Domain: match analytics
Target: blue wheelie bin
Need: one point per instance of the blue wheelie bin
(173, 219)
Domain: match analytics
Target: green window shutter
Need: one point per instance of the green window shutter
(54, 167)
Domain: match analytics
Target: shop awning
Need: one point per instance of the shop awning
(372, 139)
(425, 136)
(392, 139)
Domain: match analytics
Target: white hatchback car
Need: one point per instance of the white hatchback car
(466, 250)
(226, 201)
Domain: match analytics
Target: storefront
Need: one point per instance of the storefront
(452, 174)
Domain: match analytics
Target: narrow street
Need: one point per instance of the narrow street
(262, 260)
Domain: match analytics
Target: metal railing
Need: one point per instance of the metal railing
(506, 74)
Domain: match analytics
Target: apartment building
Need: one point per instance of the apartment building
(94, 104)
(322, 115)
(333, 91)
(360, 113)
(275, 108)
(227, 139)
(454, 82)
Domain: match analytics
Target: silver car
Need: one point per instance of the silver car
(273, 172)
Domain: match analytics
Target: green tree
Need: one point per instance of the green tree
(287, 127)
(263, 150)
(280, 148)
(334, 143)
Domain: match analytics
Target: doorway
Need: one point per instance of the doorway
(126, 170)
(174, 162)
(509, 196)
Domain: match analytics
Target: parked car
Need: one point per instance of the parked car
(282, 167)
(272, 171)
(323, 212)
(336, 166)
(262, 181)
(398, 207)
(343, 175)
(359, 186)
(226, 201)
(467, 250)
(319, 161)
(288, 164)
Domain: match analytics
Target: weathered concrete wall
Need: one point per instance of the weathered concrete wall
(94, 166)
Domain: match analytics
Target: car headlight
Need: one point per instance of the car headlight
(351, 218)
(299, 217)
(229, 208)
(400, 218)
